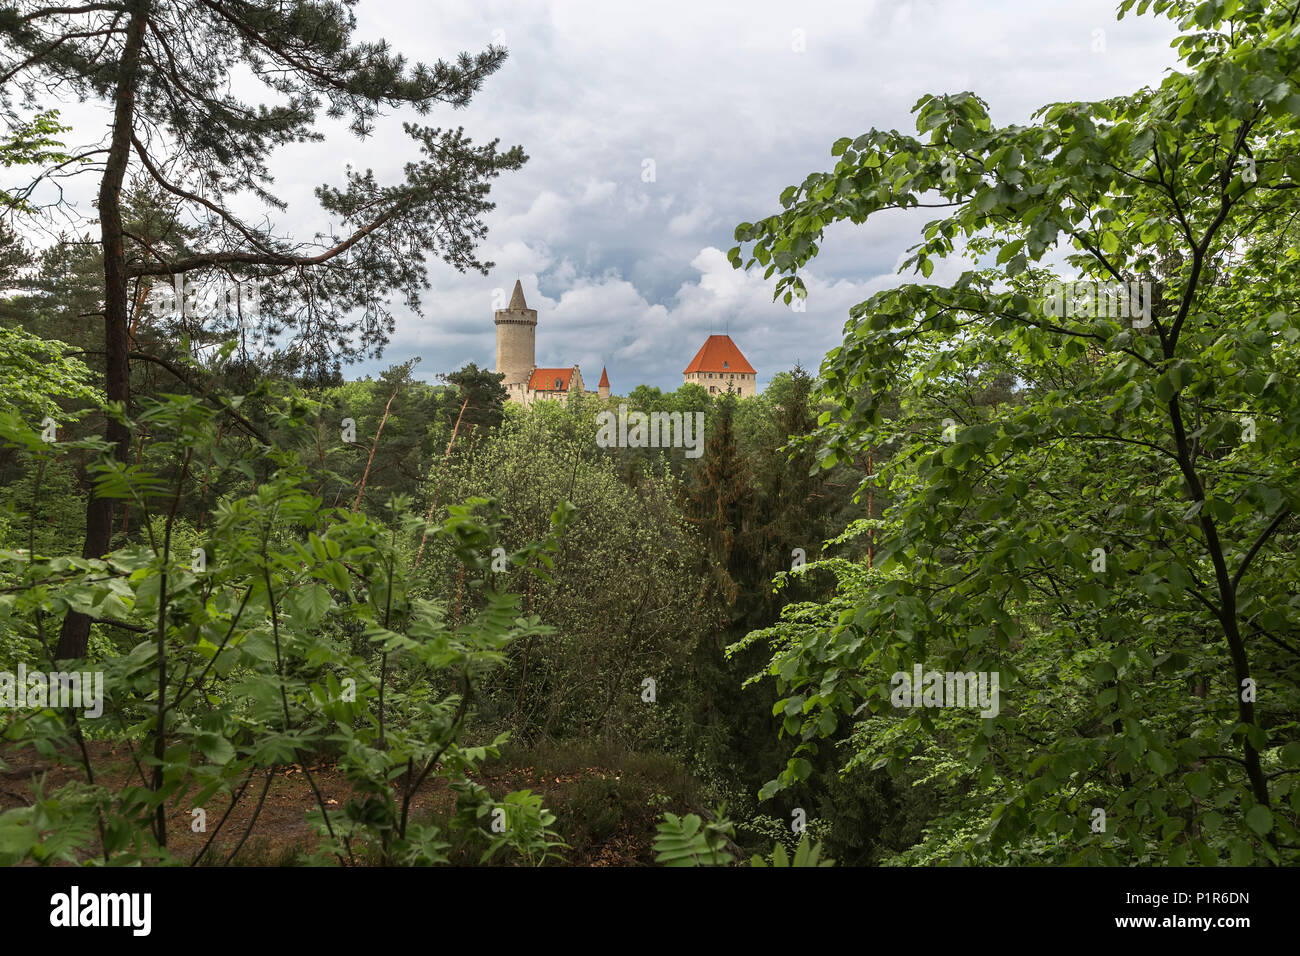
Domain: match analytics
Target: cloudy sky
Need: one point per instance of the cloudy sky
(730, 102)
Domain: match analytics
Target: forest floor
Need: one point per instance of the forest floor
(604, 813)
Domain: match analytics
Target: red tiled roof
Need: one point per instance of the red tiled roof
(718, 354)
(550, 380)
(604, 379)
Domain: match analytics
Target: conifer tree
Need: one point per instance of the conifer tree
(166, 68)
(718, 501)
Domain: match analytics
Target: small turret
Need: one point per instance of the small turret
(603, 387)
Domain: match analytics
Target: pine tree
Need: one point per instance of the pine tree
(168, 69)
(483, 391)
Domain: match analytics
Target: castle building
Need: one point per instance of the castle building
(720, 367)
(524, 382)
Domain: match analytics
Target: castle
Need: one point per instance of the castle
(718, 366)
(517, 359)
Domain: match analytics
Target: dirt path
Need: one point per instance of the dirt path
(282, 833)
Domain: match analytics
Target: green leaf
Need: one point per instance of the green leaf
(1160, 763)
(215, 747)
(1260, 819)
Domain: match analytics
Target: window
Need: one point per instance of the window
(726, 365)
(712, 389)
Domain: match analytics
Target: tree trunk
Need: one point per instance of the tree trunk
(117, 346)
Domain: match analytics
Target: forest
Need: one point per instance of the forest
(1008, 580)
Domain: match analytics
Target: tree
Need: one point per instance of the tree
(36, 372)
(1116, 537)
(623, 598)
(166, 68)
(481, 394)
(716, 499)
(238, 671)
(30, 143)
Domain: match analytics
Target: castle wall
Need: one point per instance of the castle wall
(744, 384)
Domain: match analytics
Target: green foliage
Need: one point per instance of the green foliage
(690, 841)
(480, 397)
(35, 374)
(525, 826)
(806, 854)
(396, 422)
(29, 143)
(622, 596)
(242, 670)
(1158, 685)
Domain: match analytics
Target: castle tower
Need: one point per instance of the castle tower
(516, 339)
(603, 387)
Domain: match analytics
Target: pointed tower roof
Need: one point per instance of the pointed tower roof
(718, 354)
(604, 378)
(517, 298)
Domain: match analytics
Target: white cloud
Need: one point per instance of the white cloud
(690, 222)
(597, 192)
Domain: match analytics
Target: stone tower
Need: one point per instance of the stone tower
(516, 339)
(603, 387)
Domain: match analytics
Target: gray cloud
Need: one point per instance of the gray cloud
(633, 274)
(732, 102)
